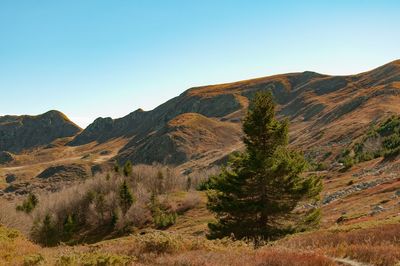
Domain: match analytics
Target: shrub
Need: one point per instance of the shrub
(322, 166)
(125, 197)
(35, 259)
(127, 168)
(191, 200)
(45, 231)
(98, 207)
(164, 220)
(162, 217)
(348, 162)
(28, 204)
(160, 243)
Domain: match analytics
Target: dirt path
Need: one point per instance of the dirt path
(42, 163)
(349, 262)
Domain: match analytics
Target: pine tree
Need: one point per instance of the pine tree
(160, 182)
(108, 176)
(256, 195)
(126, 197)
(47, 233)
(114, 217)
(101, 206)
(69, 226)
(117, 168)
(127, 168)
(188, 183)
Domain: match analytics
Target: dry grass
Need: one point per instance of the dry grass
(15, 249)
(11, 218)
(379, 245)
(161, 248)
(265, 257)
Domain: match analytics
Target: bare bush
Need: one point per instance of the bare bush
(106, 204)
(195, 179)
(9, 217)
(158, 179)
(191, 200)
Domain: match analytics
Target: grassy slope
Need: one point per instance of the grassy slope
(374, 241)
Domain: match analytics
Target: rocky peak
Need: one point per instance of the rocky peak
(18, 133)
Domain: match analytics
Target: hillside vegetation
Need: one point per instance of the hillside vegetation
(313, 182)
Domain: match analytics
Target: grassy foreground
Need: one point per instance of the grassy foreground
(374, 243)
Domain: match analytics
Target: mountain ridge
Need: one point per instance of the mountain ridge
(309, 100)
(315, 104)
(18, 133)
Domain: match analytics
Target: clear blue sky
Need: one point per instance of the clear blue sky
(90, 58)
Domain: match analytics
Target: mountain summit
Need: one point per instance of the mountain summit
(18, 133)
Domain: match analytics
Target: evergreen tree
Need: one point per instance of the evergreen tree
(160, 182)
(69, 226)
(126, 197)
(127, 168)
(101, 206)
(108, 176)
(188, 183)
(256, 195)
(117, 168)
(114, 218)
(47, 233)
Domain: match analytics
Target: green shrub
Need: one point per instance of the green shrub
(392, 153)
(164, 220)
(45, 231)
(31, 260)
(322, 166)
(28, 204)
(160, 242)
(348, 162)
(127, 168)
(390, 126)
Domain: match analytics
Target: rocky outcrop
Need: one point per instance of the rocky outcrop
(10, 178)
(18, 133)
(64, 172)
(6, 157)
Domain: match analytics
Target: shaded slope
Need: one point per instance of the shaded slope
(323, 111)
(189, 136)
(18, 133)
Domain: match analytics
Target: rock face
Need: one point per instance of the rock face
(18, 133)
(64, 172)
(5, 157)
(10, 178)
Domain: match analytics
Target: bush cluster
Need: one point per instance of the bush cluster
(387, 137)
(109, 204)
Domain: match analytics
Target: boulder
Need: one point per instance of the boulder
(6, 157)
(10, 178)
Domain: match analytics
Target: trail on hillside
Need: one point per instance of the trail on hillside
(349, 262)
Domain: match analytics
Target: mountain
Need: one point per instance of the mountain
(18, 133)
(202, 124)
(347, 126)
